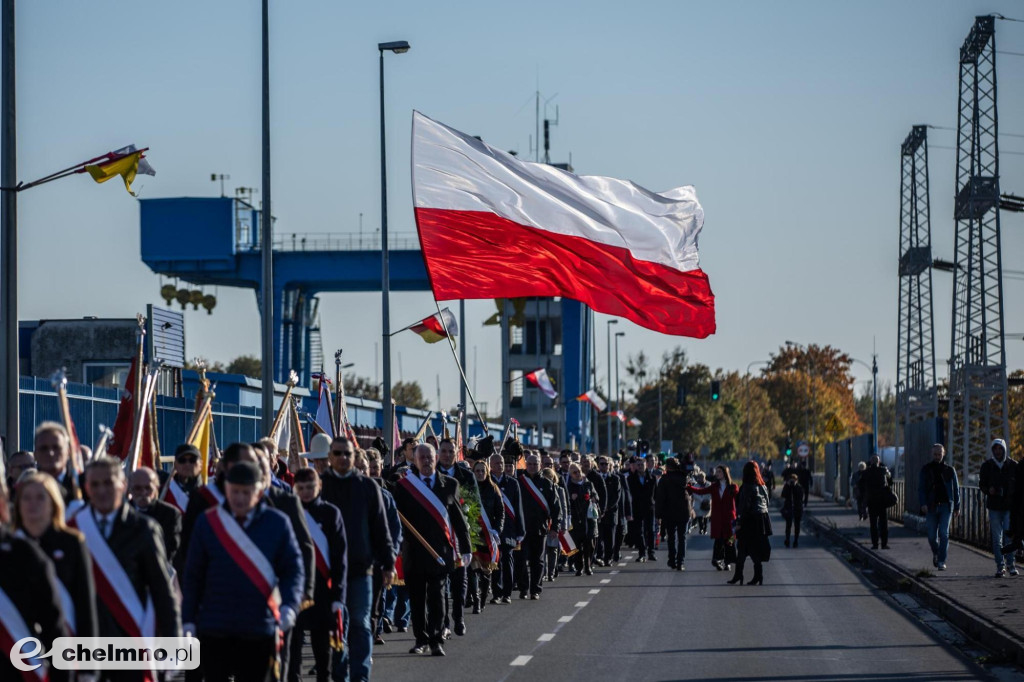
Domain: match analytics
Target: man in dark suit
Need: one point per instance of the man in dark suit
(134, 544)
(540, 517)
(458, 581)
(177, 488)
(641, 486)
(424, 498)
(512, 531)
(144, 490)
(328, 530)
(53, 456)
(610, 512)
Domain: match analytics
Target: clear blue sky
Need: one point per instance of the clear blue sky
(786, 116)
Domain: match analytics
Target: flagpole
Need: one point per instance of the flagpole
(462, 425)
(462, 373)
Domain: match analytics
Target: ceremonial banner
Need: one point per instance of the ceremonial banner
(634, 422)
(620, 415)
(594, 399)
(323, 410)
(432, 329)
(566, 543)
(493, 226)
(540, 379)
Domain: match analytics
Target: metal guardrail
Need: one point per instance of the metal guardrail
(895, 513)
(336, 241)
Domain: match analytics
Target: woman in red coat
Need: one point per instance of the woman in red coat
(723, 512)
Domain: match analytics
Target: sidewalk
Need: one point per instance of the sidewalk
(988, 609)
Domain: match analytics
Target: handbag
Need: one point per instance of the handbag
(730, 553)
(593, 511)
(889, 498)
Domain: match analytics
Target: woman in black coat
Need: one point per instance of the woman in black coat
(752, 524)
(39, 516)
(672, 507)
(584, 523)
(481, 567)
(792, 507)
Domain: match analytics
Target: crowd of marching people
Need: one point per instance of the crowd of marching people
(343, 548)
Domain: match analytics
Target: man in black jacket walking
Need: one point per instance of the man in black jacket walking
(997, 481)
(609, 513)
(540, 518)
(144, 491)
(672, 506)
(641, 491)
(458, 580)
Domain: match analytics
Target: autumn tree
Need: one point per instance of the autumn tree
(361, 387)
(409, 394)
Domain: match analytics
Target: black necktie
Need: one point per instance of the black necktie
(429, 480)
(104, 526)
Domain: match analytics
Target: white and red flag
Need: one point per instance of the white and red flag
(492, 226)
(540, 379)
(594, 399)
(634, 422)
(620, 415)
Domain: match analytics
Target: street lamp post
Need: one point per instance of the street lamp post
(608, 419)
(267, 290)
(874, 398)
(618, 389)
(746, 400)
(9, 372)
(398, 47)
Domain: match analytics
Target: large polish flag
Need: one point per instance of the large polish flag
(492, 226)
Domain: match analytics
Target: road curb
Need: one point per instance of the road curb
(977, 627)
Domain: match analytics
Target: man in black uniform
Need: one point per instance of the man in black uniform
(541, 515)
(641, 491)
(143, 494)
(512, 531)
(328, 531)
(424, 498)
(458, 580)
(609, 520)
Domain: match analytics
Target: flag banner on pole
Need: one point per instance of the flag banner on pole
(594, 399)
(566, 543)
(432, 329)
(634, 422)
(620, 415)
(126, 162)
(493, 226)
(540, 379)
(323, 409)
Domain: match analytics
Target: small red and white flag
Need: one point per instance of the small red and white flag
(540, 379)
(634, 422)
(620, 415)
(566, 543)
(432, 328)
(493, 226)
(594, 399)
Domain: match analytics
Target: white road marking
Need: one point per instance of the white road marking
(606, 581)
(581, 604)
(620, 565)
(594, 592)
(613, 572)
(565, 619)
(547, 637)
(521, 660)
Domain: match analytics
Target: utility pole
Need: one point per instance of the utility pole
(9, 375)
(267, 246)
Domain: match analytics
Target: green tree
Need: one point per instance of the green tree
(409, 394)
(361, 387)
(886, 411)
(246, 365)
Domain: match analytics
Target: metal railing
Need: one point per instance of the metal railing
(895, 513)
(336, 241)
(972, 527)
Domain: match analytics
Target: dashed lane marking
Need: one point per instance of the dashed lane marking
(597, 591)
(521, 660)
(581, 604)
(546, 637)
(613, 572)
(565, 619)
(606, 581)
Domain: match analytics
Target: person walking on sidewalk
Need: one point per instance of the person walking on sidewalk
(792, 507)
(874, 482)
(858, 492)
(939, 492)
(997, 479)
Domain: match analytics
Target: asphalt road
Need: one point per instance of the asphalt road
(813, 619)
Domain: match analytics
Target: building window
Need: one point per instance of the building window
(106, 374)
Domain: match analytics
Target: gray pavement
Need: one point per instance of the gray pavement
(816, 618)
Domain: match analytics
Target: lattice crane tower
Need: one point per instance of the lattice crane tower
(977, 372)
(916, 396)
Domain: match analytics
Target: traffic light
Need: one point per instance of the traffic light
(789, 446)
(715, 386)
(681, 396)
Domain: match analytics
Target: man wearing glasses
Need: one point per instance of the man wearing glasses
(369, 541)
(185, 478)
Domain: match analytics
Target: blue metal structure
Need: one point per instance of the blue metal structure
(216, 242)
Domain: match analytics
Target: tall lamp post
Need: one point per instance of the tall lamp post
(874, 399)
(267, 291)
(618, 388)
(9, 372)
(398, 47)
(608, 419)
(746, 399)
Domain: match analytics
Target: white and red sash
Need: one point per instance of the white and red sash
(113, 587)
(509, 511)
(535, 492)
(320, 544)
(431, 502)
(244, 552)
(491, 552)
(175, 495)
(212, 494)
(13, 629)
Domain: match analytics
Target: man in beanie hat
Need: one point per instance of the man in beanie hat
(241, 551)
